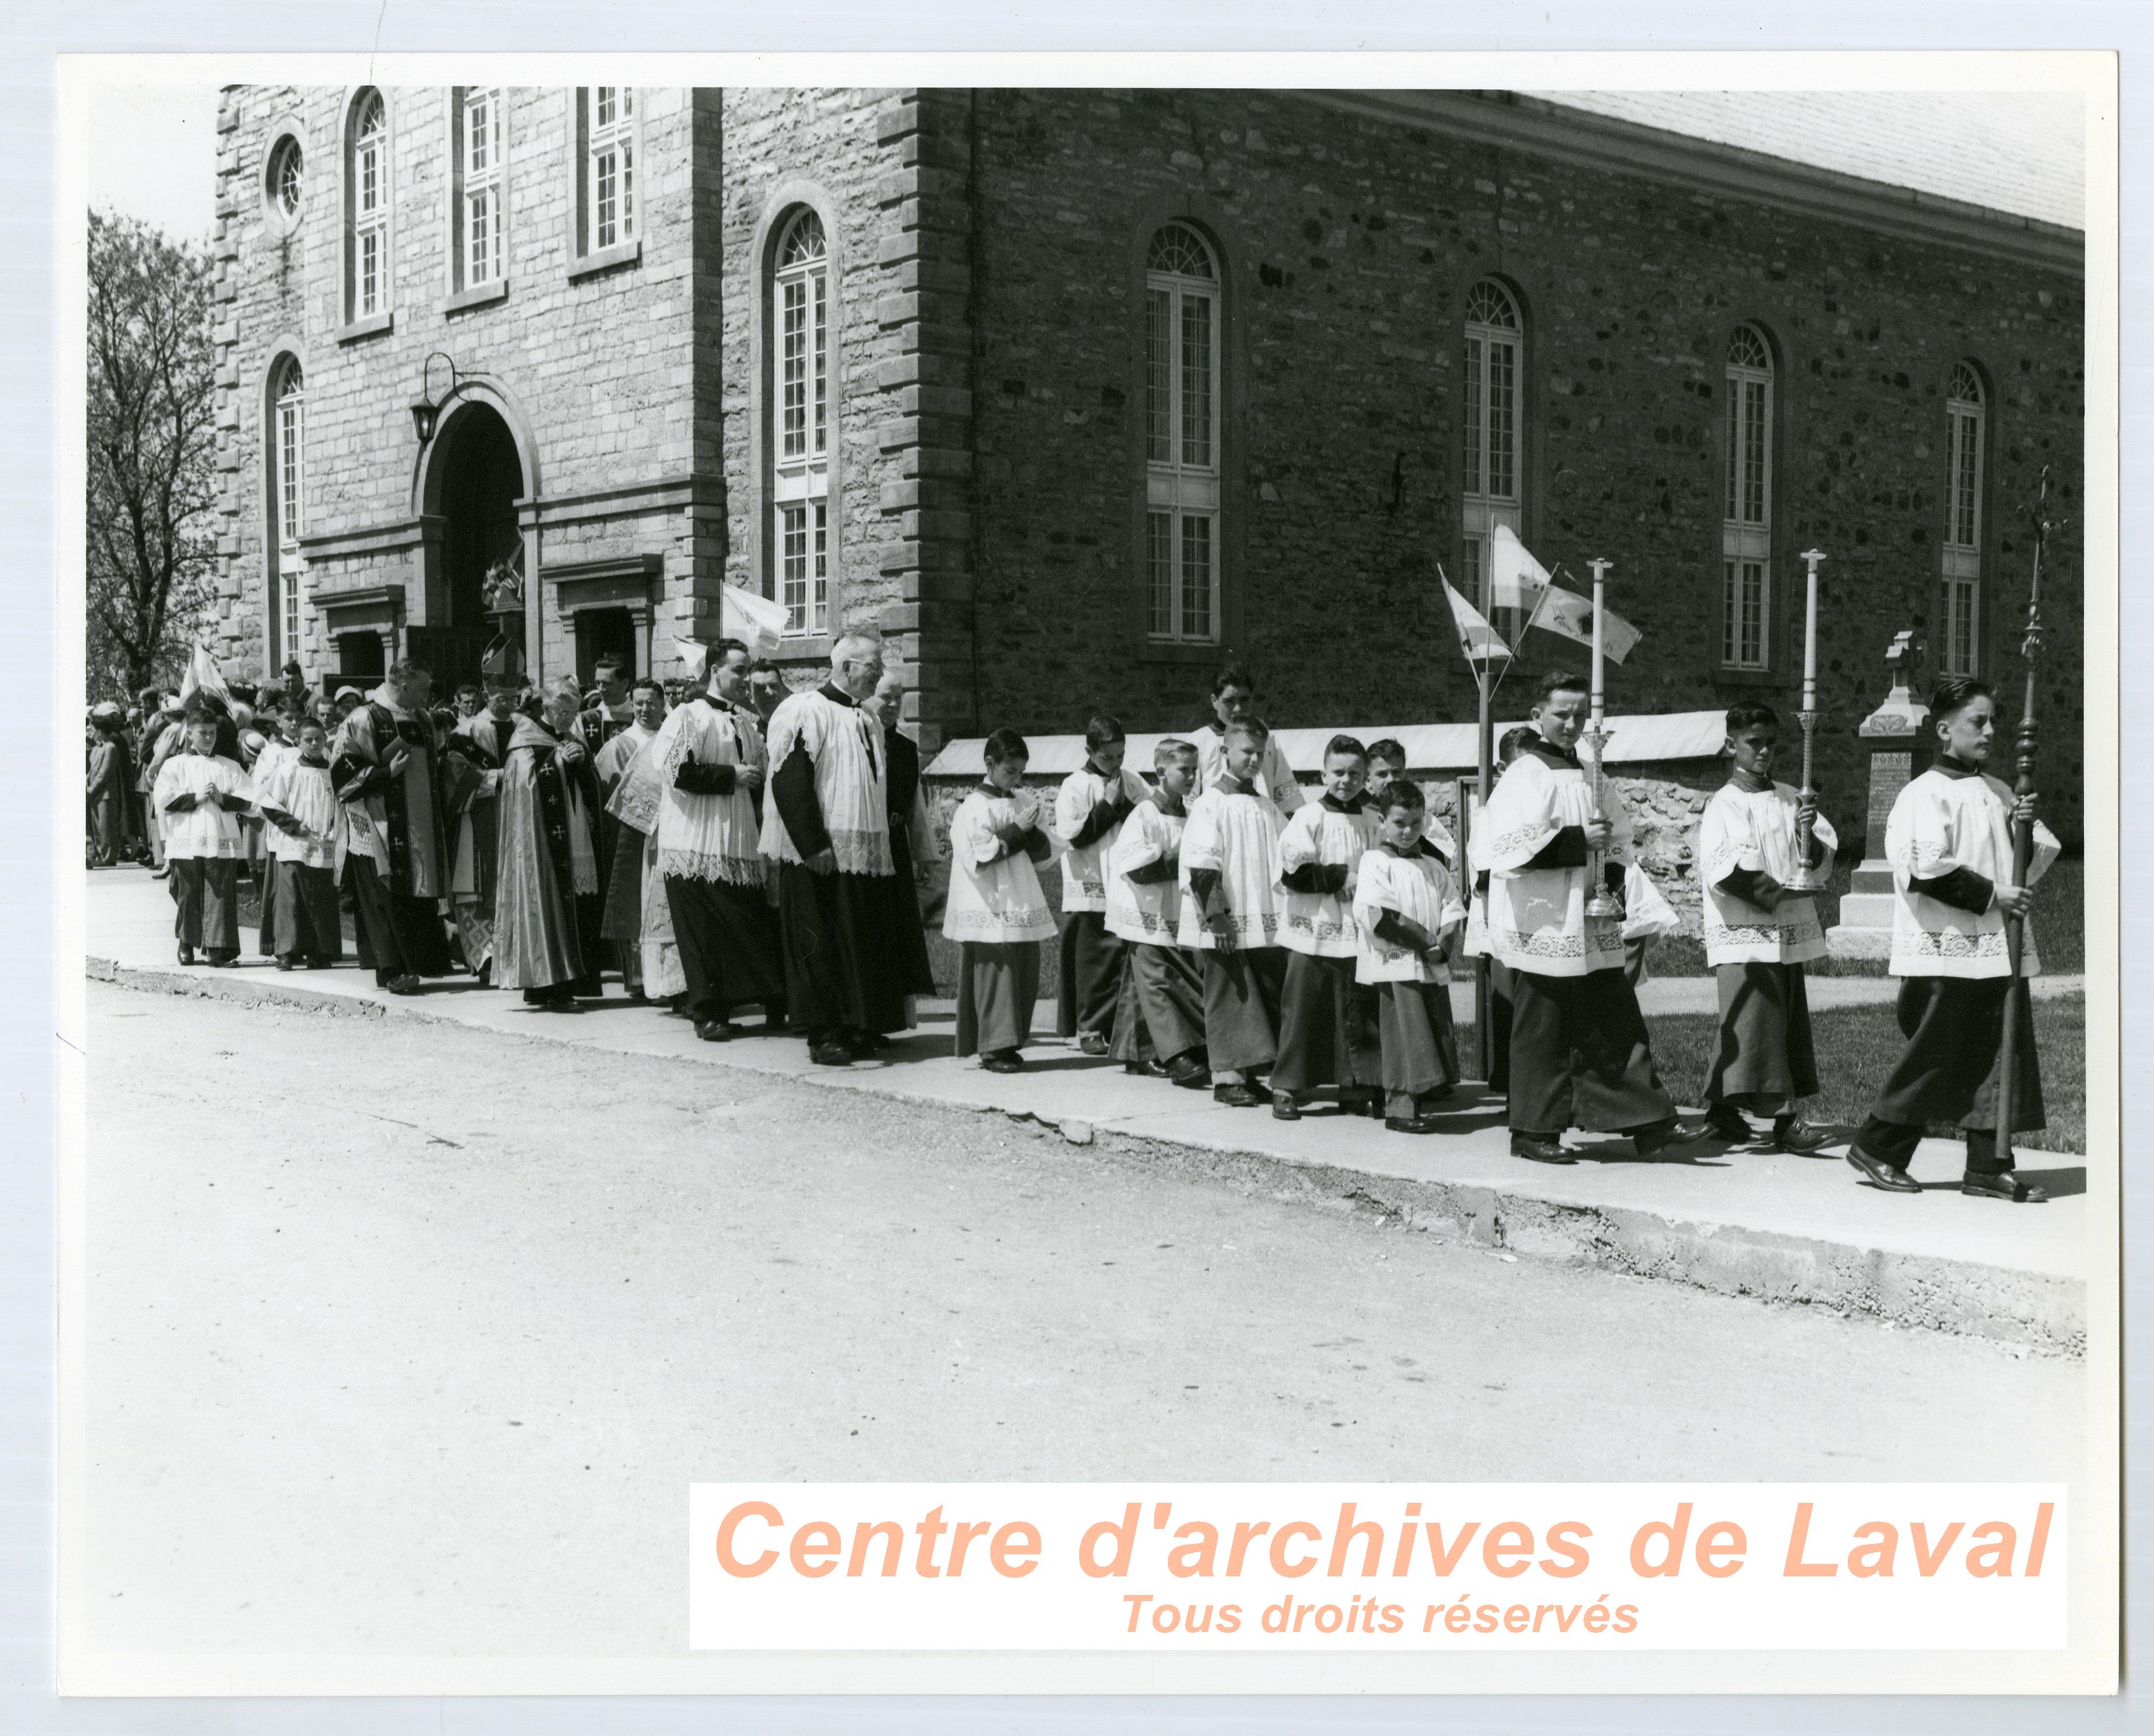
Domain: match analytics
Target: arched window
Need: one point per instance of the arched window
(288, 436)
(366, 210)
(1493, 493)
(284, 181)
(1746, 531)
(800, 491)
(1960, 620)
(1181, 423)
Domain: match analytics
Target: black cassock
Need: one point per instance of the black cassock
(908, 939)
(840, 973)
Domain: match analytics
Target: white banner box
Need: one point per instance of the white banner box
(1376, 1567)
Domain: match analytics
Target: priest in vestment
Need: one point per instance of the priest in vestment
(546, 902)
(621, 846)
(911, 837)
(708, 762)
(471, 765)
(826, 825)
(388, 778)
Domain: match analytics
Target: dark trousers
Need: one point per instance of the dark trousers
(304, 922)
(1328, 1032)
(206, 899)
(1949, 1072)
(1091, 961)
(1579, 1056)
(404, 935)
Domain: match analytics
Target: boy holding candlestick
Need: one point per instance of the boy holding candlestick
(1580, 1055)
(1949, 841)
(1759, 936)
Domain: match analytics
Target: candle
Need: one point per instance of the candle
(1812, 557)
(1599, 579)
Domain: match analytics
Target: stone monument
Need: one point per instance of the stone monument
(1901, 749)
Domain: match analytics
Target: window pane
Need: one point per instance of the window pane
(605, 104)
(1503, 420)
(794, 365)
(627, 188)
(822, 347)
(369, 271)
(1734, 446)
(1753, 613)
(289, 627)
(792, 567)
(1752, 450)
(1476, 475)
(479, 226)
(822, 600)
(1472, 575)
(1159, 565)
(1159, 376)
(1196, 382)
(1731, 612)
(604, 200)
(1967, 478)
(370, 178)
(1196, 576)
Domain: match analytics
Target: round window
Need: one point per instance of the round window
(287, 180)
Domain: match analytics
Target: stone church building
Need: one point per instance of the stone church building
(1073, 394)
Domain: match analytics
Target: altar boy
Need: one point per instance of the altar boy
(1159, 1024)
(299, 803)
(1230, 913)
(1949, 841)
(1406, 908)
(1089, 809)
(1759, 936)
(1327, 1021)
(200, 794)
(996, 910)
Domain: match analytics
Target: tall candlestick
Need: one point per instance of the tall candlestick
(1808, 875)
(1600, 901)
(1813, 557)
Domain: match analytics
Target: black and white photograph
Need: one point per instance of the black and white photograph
(1316, 778)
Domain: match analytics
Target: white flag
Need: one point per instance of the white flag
(758, 622)
(1566, 612)
(1479, 640)
(203, 675)
(695, 661)
(1516, 579)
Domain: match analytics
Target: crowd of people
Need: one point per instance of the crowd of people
(726, 846)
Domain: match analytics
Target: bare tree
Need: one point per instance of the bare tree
(152, 443)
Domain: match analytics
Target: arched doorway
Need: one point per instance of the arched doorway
(481, 479)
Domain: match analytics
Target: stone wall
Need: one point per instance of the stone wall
(1350, 243)
(603, 367)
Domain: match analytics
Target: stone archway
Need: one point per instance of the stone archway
(477, 478)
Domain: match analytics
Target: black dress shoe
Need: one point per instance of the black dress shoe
(1661, 1135)
(1540, 1148)
(1877, 1172)
(1145, 1070)
(1238, 1096)
(1799, 1138)
(1284, 1108)
(1412, 1123)
(186, 955)
(2006, 1187)
(715, 1030)
(1726, 1121)
(1092, 1043)
(1008, 1060)
(1188, 1072)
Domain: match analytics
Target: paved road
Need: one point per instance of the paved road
(409, 1338)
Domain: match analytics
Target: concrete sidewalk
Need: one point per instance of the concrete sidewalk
(1737, 1221)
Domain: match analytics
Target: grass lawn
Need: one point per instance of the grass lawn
(1856, 1047)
